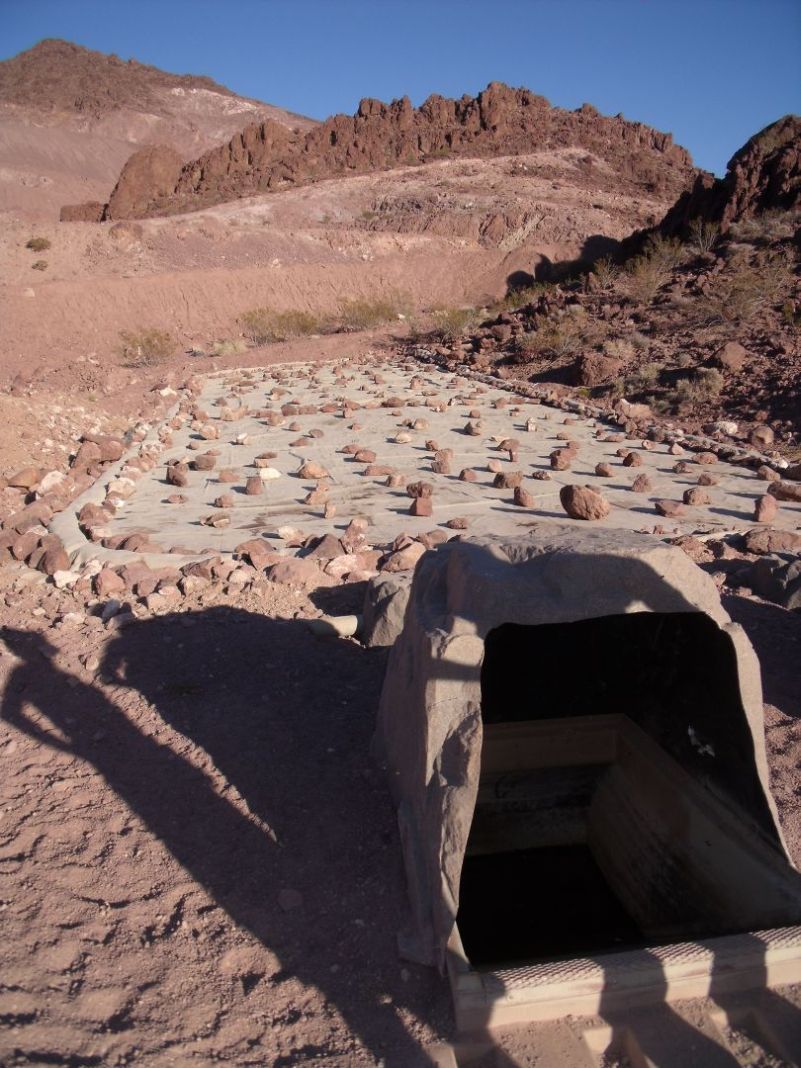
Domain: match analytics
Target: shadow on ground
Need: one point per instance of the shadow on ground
(314, 872)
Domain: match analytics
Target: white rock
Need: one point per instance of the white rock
(51, 479)
(63, 579)
(121, 487)
(110, 609)
(267, 474)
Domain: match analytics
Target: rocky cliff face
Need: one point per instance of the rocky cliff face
(764, 175)
(500, 121)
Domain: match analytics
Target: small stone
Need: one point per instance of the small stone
(176, 498)
(421, 506)
(468, 475)
(312, 470)
(786, 491)
(403, 559)
(178, 475)
(228, 474)
(204, 462)
(108, 582)
(318, 496)
(669, 509)
(632, 459)
(708, 480)
(561, 459)
(225, 500)
(295, 572)
(761, 437)
(420, 489)
(54, 559)
(696, 496)
(325, 548)
(523, 499)
(641, 484)
(765, 509)
(459, 522)
(767, 474)
(603, 470)
(26, 478)
(507, 479)
(254, 486)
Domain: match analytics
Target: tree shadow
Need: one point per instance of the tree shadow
(308, 861)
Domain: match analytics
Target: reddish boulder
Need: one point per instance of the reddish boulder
(765, 509)
(786, 491)
(669, 509)
(583, 502)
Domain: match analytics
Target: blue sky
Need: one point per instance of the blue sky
(712, 72)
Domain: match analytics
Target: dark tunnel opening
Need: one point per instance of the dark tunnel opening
(572, 850)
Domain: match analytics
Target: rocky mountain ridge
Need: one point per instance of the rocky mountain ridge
(500, 121)
(763, 175)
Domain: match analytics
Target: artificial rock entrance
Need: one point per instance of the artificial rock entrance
(573, 730)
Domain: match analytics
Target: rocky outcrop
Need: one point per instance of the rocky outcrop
(148, 175)
(764, 175)
(499, 121)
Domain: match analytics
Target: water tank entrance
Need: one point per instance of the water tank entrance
(617, 797)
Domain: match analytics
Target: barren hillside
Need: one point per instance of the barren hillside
(441, 235)
(71, 117)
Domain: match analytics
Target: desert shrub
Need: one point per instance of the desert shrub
(366, 314)
(290, 324)
(563, 336)
(703, 234)
(451, 323)
(705, 385)
(644, 278)
(261, 325)
(520, 297)
(645, 378)
(745, 287)
(648, 272)
(146, 348)
(38, 244)
(667, 251)
(606, 271)
(257, 325)
(619, 348)
(39, 265)
(776, 224)
(640, 341)
(229, 347)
